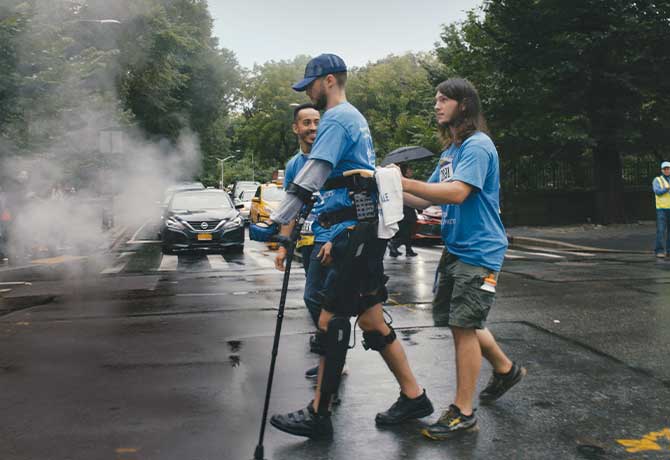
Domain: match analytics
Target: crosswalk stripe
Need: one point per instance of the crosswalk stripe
(168, 263)
(217, 262)
(260, 259)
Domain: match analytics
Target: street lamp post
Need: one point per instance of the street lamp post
(221, 160)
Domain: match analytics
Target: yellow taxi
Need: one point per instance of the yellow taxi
(265, 201)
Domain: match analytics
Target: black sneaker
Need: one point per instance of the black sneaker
(451, 423)
(312, 373)
(304, 422)
(499, 384)
(410, 253)
(405, 409)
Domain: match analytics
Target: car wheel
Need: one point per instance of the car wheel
(166, 251)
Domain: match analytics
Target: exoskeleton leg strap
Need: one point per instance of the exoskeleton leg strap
(377, 341)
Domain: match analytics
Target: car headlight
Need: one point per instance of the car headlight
(173, 223)
(236, 222)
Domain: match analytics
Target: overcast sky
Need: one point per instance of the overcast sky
(358, 30)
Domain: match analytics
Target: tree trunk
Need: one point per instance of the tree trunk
(609, 199)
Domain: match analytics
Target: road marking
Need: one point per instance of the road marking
(516, 254)
(433, 250)
(16, 283)
(557, 251)
(647, 443)
(114, 270)
(168, 263)
(126, 450)
(134, 237)
(217, 262)
(56, 260)
(261, 259)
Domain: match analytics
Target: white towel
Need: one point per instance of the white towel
(389, 185)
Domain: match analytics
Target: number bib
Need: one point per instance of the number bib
(446, 169)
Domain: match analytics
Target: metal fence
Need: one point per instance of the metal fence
(530, 174)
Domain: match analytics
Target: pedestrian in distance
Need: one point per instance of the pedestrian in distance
(341, 165)
(661, 186)
(406, 225)
(466, 182)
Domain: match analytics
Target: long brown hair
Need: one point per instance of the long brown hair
(469, 119)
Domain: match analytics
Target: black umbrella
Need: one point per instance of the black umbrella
(406, 154)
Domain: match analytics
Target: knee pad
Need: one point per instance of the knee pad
(317, 344)
(376, 341)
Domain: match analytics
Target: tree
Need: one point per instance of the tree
(264, 126)
(396, 97)
(566, 79)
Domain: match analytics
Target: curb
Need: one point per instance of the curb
(525, 240)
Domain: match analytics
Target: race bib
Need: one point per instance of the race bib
(446, 171)
(307, 226)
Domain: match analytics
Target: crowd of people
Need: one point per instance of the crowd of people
(345, 271)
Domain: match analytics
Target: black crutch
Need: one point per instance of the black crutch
(290, 246)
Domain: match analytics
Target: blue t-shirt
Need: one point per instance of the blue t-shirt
(343, 140)
(473, 231)
(293, 167)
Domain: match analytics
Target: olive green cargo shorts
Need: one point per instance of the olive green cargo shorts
(459, 298)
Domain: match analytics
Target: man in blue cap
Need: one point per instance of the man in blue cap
(661, 185)
(343, 145)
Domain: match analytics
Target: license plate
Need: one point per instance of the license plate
(204, 237)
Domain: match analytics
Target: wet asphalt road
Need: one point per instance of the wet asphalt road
(137, 356)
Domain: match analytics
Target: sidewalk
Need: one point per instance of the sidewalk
(630, 238)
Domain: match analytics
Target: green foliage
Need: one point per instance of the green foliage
(264, 127)
(394, 94)
(565, 79)
(396, 97)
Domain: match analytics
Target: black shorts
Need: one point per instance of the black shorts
(359, 280)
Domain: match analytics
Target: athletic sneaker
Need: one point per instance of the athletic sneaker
(406, 409)
(313, 372)
(451, 423)
(304, 422)
(499, 384)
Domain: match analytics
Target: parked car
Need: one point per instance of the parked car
(265, 201)
(243, 185)
(203, 220)
(429, 225)
(244, 199)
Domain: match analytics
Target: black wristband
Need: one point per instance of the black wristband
(302, 193)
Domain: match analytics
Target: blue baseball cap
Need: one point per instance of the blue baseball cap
(665, 164)
(319, 66)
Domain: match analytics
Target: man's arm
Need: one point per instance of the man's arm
(311, 178)
(454, 192)
(658, 187)
(414, 201)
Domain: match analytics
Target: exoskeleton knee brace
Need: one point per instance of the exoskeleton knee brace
(375, 340)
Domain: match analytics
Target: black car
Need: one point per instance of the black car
(203, 220)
